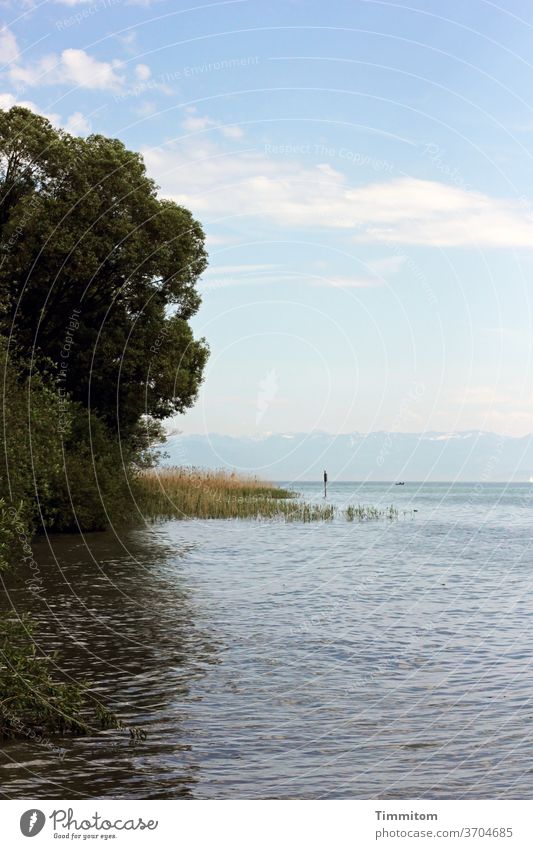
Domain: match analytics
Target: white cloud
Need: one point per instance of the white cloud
(218, 276)
(232, 132)
(195, 123)
(406, 210)
(7, 100)
(83, 70)
(347, 282)
(128, 41)
(387, 265)
(244, 269)
(9, 51)
(73, 67)
(78, 125)
(222, 276)
(145, 108)
(142, 72)
(500, 408)
(214, 239)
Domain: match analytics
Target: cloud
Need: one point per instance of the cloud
(145, 108)
(222, 276)
(347, 282)
(214, 239)
(72, 67)
(195, 123)
(232, 132)
(406, 210)
(387, 265)
(494, 395)
(501, 408)
(142, 72)
(78, 125)
(9, 51)
(128, 41)
(245, 268)
(7, 100)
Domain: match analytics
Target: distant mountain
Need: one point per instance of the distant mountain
(386, 456)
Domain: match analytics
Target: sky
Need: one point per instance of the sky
(363, 173)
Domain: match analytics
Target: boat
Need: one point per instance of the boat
(400, 483)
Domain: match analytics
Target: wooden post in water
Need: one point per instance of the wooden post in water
(325, 484)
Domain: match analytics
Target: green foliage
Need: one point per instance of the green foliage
(31, 459)
(97, 284)
(193, 493)
(29, 695)
(12, 525)
(181, 493)
(33, 700)
(93, 486)
(101, 271)
(61, 467)
(360, 512)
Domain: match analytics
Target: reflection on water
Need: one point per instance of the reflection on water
(121, 617)
(271, 660)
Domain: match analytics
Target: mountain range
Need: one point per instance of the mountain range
(377, 456)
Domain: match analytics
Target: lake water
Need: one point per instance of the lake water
(387, 659)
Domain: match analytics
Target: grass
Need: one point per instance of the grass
(186, 493)
(33, 702)
(361, 513)
(192, 493)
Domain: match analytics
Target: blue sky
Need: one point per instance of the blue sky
(363, 173)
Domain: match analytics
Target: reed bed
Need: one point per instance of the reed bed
(194, 493)
(362, 513)
(218, 481)
(187, 493)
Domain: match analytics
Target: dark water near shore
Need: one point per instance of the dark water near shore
(270, 660)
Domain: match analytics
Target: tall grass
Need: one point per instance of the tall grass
(361, 513)
(186, 493)
(194, 493)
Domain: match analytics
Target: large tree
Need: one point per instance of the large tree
(97, 274)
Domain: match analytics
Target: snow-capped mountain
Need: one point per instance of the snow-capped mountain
(466, 456)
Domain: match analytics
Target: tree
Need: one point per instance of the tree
(97, 274)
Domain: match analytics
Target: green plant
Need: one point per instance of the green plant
(98, 274)
(185, 493)
(33, 701)
(362, 513)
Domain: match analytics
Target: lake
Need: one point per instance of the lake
(382, 659)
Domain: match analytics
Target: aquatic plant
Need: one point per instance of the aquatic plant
(361, 513)
(193, 493)
(33, 702)
(182, 493)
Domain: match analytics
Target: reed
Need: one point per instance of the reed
(194, 493)
(362, 513)
(190, 493)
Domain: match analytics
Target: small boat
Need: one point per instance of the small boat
(400, 483)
